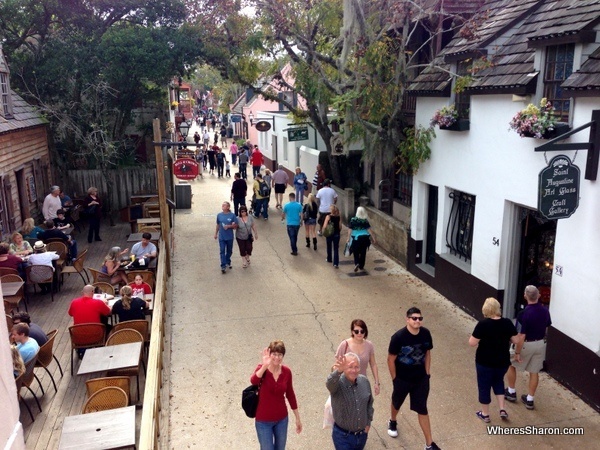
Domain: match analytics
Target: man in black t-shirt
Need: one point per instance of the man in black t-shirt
(409, 362)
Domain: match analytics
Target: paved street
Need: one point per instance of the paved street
(221, 322)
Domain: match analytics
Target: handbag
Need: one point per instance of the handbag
(250, 237)
(328, 231)
(348, 249)
(250, 399)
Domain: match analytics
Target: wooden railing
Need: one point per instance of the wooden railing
(150, 426)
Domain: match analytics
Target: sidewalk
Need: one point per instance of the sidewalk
(221, 322)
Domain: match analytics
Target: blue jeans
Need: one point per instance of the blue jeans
(272, 435)
(233, 158)
(348, 441)
(333, 241)
(489, 378)
(255, 170)
(299, 194)
(262, 204)
(226, 248)
(293, 234)
(243, 174)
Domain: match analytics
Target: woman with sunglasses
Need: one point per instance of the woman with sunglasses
(245, 234)
(275, 382)
(364, 348)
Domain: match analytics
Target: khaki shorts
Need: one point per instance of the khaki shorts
(533, 355)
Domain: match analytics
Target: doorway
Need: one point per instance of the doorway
(536, 255)
(432, 215)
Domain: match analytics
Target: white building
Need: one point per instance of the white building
(476, 230)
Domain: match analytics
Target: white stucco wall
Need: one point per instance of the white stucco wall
(498, 166)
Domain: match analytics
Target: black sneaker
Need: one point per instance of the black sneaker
(393, 428)
(510, 397)
(433, 446)
(528, 403)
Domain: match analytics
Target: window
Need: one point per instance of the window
(5, 95)
(559, 66)
(459, 232)
(403, 188)
(288, 96)
(462, 101)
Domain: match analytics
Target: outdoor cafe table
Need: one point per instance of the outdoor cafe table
(137, 237)
(111, 302)
(11, 288)
(111, 357)
(103, 430)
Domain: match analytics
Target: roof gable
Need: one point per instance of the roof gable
(24, 116)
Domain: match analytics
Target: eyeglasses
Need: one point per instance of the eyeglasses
(420, 319)
(358, 331)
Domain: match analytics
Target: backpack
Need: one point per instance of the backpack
(263, 189)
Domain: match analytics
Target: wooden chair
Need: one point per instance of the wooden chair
(110, 397)
(105, 288)
(147, 229)
(141, 325)
(86, 335)
(27, 379)
(98, 275)
(40, 274)
(8, 271)
(62, 251)
(147, 277)
(19, 383)
(77, 267)
(93, 386)
(13, 301)
(45, 356)
(127, 336)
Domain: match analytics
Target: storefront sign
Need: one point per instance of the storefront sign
(297, 134)
(263, 125)
(558, 195)
(236, 118)
(185, 169)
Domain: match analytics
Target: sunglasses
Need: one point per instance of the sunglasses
(420, 319)
(358, 331)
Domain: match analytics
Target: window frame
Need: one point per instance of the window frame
(460, 224)
(552, 86)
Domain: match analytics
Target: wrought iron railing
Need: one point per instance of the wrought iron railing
(459, 232)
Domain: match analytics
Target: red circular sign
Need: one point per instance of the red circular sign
(185, 169)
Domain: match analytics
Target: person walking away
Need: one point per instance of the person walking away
(268, 178)
(227, 169)
(245, 235)
(351, 403)
(262, 192)
(226, 223)
(333, 241)
(309, 215)
(280, 181)
(223, 133)
(212, 159)
(92, 207)
(492, 337)
(257, 161)
(233, 151)
(275, 381)
(530, 351)
(360, 237)
(359, 344)
(239, 190)
(409, 363)
(300, 184)
(327, 197)
(292, 211)
(220, 162)
(243, 164)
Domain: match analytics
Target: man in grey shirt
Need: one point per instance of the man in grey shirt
(351, 402)
(243, 164)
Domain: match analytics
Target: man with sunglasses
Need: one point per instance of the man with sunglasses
(409, 362)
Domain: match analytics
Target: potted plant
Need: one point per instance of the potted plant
(174, 104)
(447, 118)
(540, 123)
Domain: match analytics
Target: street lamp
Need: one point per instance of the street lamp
(184, 129)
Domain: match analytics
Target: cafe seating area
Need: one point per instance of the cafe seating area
(55, 406)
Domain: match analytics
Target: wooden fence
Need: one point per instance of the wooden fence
(152, 432)
(125, 183)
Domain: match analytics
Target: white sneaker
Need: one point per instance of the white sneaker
(392, 428)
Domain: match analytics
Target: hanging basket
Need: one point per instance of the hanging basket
(459, 125)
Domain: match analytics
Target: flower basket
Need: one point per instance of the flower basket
(445, 117)
(559, 129)
(459, 125)
(539, 123)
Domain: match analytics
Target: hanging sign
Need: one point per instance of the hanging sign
(297, 134)
(236, 118)
(558, 190)
(185, 169)
(262, 125)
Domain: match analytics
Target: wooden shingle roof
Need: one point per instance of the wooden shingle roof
(524, 24)
(24, 116)
(587, 78)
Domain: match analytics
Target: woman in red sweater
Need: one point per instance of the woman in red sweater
(275, 386)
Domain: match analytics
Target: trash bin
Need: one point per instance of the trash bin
(183, 196)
